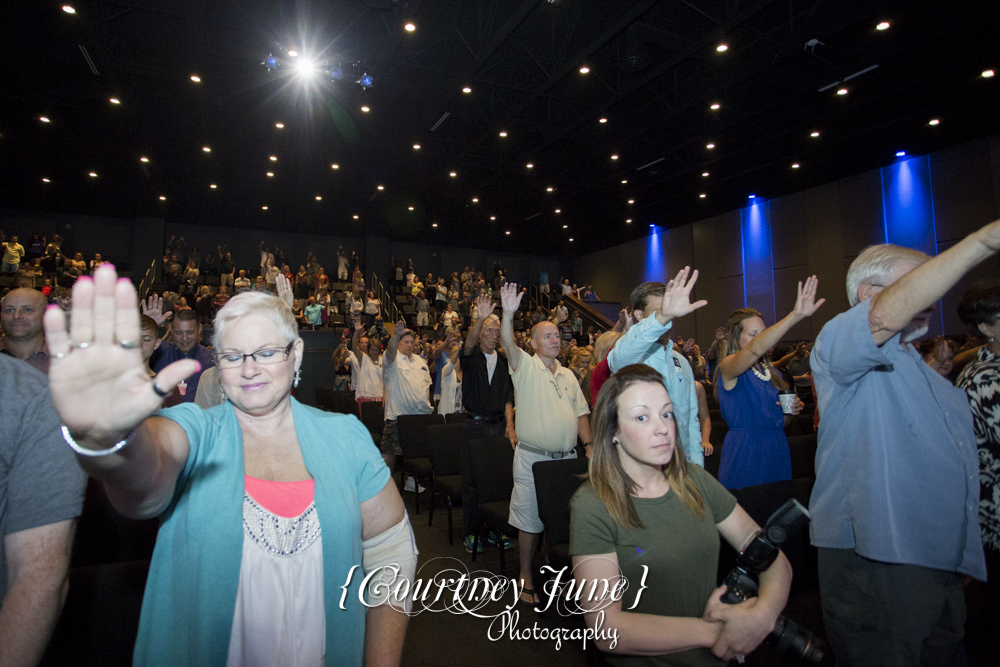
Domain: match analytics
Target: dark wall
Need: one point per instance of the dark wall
(755, 256)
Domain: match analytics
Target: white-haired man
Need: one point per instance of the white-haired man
(894, 507)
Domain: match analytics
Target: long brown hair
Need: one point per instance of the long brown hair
(607, 475)
(734, 330)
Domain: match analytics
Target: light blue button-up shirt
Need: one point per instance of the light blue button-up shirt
(897, 472)
(640, 346)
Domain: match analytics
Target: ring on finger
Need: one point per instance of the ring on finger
(59, 355)
(159, 392)
(82, 346)
(127, 345)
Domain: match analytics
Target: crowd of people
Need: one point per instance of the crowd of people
(906, 500)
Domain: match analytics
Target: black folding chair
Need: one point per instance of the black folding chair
(444, 444)
(413, 441)
(555, 483)
(343, 402)
(373, 417)
(491, 462)
(455, 418)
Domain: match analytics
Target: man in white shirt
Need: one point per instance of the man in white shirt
(366, 367)
(407, 383)
(562, 312)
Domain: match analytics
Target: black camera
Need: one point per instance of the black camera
(741, 583)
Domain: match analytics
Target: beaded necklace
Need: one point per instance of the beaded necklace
(765, 376)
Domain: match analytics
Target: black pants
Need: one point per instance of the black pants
(474, 430)
(889, 614)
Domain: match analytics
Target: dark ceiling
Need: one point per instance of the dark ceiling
(654, 73)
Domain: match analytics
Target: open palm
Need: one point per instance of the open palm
(677, 297)
(99, 383)
(510, 298)
(806, 303)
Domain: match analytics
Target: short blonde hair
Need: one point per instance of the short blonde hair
(876, 263)
(264, 304)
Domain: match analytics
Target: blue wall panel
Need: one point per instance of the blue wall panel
(758, 268)
(908, 206)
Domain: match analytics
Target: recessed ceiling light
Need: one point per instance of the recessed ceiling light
(584, 70)
(355, 217)
(453, 174)
(722, 47)
(45, 180)
(628, 220)
(144, 159)
(434, 224)
(530, 166)
(631, 201)
(988, 74)
(508, 233)
(752, 197)
(493, 217)
(206, 149)
(571, 240)
(411, 208)
(44, 119)
(814, 134)
(795, 166)
(279, 125)
(934, 121)
(213, 186)
(416, 147)
(704, 173)
(92, 174)
(702, 195)
(565, 226)
(334, 166)
(263, 208)
(884, 25)
(365, 108)
(115, 100)
(410, 26)
(162, 198)
(196, 78)
(270, 173)
(475, 200)
(319, 198)
(558, 210)
(274, 158)
(381, 187)
(614, 157)
(68, 9)
(603, 120)
(709, 146)
(900, 153)
(503, 133)
(624, 181)
(293, 54)
(842, 91)
(549, 189)
(715, 106)
(466, 90)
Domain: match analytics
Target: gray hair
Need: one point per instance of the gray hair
(875, 264)
(264, 304)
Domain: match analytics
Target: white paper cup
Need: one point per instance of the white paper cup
(787, 399)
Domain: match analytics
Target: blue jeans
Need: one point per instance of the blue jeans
(11, 268)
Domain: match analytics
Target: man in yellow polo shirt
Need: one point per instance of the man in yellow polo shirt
(551, 413)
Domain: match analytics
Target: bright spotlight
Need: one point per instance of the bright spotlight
(366, 80)
(68, 9)
(900, 153)
(305, 67)
(270, 62)
(293, 53)
(410, 26)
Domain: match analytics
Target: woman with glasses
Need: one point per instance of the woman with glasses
(265, 504)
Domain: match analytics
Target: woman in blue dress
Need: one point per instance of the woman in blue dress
(755, 450)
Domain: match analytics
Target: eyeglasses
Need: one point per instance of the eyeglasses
(269, 355)
(555, 384)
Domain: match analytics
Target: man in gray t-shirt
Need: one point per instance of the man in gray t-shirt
(41, 494)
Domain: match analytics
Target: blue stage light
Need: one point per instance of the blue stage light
(366, 80)
(270, 62)
(900, 153)
(752, 197)
(336, 74)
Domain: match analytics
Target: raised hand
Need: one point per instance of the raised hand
(510, 298)
(688, 346)
(677, 297)
(153, 307)
(285, 289)
(357, 323)
(99, 383)
(484, 307)
(806, 303)
(400, 328)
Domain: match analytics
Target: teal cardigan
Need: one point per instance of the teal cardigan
(190, 598)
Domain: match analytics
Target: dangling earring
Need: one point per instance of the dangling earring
(223, 392)
(298, 378)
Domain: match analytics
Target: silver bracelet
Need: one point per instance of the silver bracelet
(83, 451)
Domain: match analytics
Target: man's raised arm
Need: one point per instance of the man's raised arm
(510, 301)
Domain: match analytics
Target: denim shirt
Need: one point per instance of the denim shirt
(897, 473)
(640, 346)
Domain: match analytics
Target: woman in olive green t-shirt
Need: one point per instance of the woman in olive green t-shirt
(651, 517)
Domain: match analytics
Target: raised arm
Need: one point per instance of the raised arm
(391, 348)
(356, 338)
(740, 362)
(896, 306)
(720, 338)
(103, 393)
(483, 309)
(510, 301)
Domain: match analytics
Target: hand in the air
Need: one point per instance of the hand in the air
(676, 300)
(806, 303)
(484, 307)
(153, 307)
(99, 383)
(510, 298)
(357, 324)
(285, 289)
